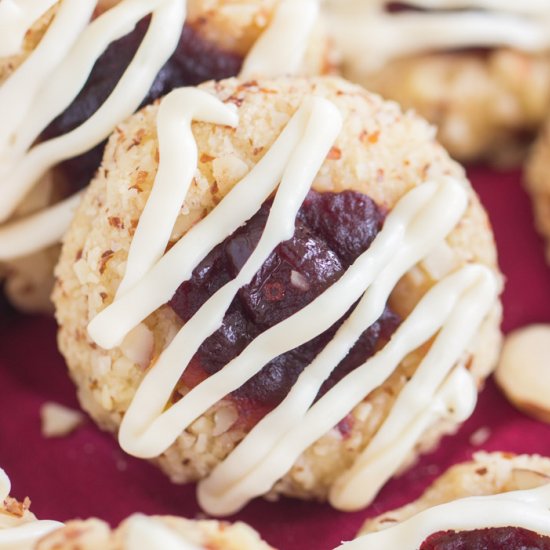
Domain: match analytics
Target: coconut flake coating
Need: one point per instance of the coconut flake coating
(381, 153)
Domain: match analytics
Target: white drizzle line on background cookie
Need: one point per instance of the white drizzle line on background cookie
(453, 309)
(53, 75)
(45, 227)
(53, 90)
(16, 17)
(20, 532)
(145, 532)
(522, 509)
(365, 26)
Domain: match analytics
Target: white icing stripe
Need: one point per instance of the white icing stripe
(38, 231)
(16, 18)
(401, 244)
(52, 76)
(454, 401)
(26, 535)
(414, 228)
(5, 485)
(157, 46)
(532, 7)
(178, 154)
(63, 85)
(359, 25)
(282, 47)
(146, 430)
(112, 324)
(524, 509)
(472, 291)
(435, 309)
(148, 533)
(20, 533)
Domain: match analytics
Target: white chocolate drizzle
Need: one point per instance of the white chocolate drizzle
(158, 45)
(528, 509)
(50, 79)
(365, 26)
(16, 18)
(152, 534)
(146, 430)
(46, 227)
(20, 533)
(451, 311)
(282, 47)
(55, 72)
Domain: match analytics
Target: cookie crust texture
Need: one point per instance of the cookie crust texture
(381, 152)
(93, 534)
(487, 474)
(231, 25)
(487, 106)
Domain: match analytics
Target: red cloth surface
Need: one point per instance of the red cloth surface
(86, 474)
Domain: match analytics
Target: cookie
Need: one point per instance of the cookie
(355, 172)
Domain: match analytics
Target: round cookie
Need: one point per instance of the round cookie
(486, 476)
(381, 153)
(482, 77)
(217, 38)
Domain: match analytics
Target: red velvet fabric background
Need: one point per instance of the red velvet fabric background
(86, 474)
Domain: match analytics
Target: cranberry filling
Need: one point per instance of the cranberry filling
(195, 60)
(332, 231)
(398, 7)
(509, 538)
(404, 7)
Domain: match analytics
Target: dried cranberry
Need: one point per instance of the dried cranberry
(332, 231)
(195, 60)
(398, 7)
(510, 538)
(348, 222)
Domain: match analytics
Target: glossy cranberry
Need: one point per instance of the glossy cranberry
(505, 538)
(398, 7)
(195, 60)
(332, 231)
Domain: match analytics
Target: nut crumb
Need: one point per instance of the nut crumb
(15, 508)
(59, 421)
(480, 436)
